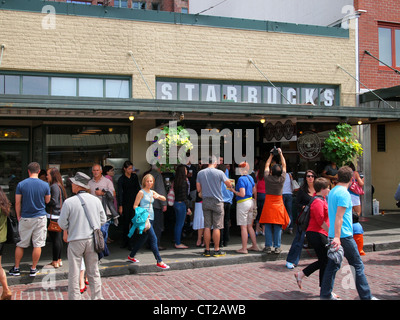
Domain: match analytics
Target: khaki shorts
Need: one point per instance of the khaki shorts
(34, 229)
(244, 212)
(213, 212)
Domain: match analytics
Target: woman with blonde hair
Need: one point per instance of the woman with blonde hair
(245, 189)
(5, 206)
(145, 199)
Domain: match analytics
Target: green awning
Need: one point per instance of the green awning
(388, 94)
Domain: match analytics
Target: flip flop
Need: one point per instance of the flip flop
(241, 251)
(181, 246)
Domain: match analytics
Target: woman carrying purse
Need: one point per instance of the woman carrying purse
(58, 195)
(355, 198)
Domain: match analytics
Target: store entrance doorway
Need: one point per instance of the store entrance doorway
(14, 159)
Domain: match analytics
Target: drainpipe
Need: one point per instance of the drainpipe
(363, 132)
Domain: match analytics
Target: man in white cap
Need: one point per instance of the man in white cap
(73, 219)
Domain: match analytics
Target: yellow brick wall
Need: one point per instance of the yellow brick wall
(385, 178)
(100, 46)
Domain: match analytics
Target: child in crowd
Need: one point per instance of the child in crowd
(358, 234)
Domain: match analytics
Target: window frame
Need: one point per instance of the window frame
(77, 77)
(393, 28)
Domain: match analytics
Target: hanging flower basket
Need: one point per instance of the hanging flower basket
(342, 145)
(175, 141)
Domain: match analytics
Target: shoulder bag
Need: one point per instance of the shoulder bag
(12, 229)
(295, 185)
(53, 225)
(356, 188)
(98, 237)
(171, 196)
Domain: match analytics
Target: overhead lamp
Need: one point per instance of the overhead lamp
(359, 122)
(262, 120)
(131, 117)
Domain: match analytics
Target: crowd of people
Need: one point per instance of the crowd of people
(204, 195)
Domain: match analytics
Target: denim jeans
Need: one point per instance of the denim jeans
(180, 216)
(225, 231)
(296, 247)
(141, 240)
(353, 257)
(158, 224)
(275, 241)
(260, 204)
(288, 202)
(104, 229)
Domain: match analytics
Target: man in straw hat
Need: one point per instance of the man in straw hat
(80, 236)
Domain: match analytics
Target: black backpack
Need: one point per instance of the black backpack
(304, 217)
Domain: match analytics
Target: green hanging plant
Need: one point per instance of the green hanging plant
(342, 145)
(175, 141)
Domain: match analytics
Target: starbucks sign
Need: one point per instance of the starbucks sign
(247, 92)
(309, 145)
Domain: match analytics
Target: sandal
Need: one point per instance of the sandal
(181, 246)
(298, 280)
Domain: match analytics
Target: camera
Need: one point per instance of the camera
(275, 151)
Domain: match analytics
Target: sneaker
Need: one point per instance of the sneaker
(162, 266)
(289, 265)
(14, 272)
(33, 272)
(207, 253)
(278, 250)
(218, 253)
(132, 259)
(267, 250)
(331, 297)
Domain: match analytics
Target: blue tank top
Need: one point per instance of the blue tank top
(147, 203)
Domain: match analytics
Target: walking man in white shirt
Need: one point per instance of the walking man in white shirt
(80, 236)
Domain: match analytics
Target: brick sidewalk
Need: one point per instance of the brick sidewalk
(268, 280)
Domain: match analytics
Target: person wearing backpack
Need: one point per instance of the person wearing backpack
(317, 231)
(303, 197)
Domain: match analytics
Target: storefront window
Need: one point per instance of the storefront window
(91, 88)
(35, 85)
(63, 87)
(117, 88)
(77, 148)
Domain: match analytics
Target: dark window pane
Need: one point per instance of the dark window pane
(35, 85)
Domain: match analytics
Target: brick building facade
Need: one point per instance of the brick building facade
(385, 14)
(379, 44)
